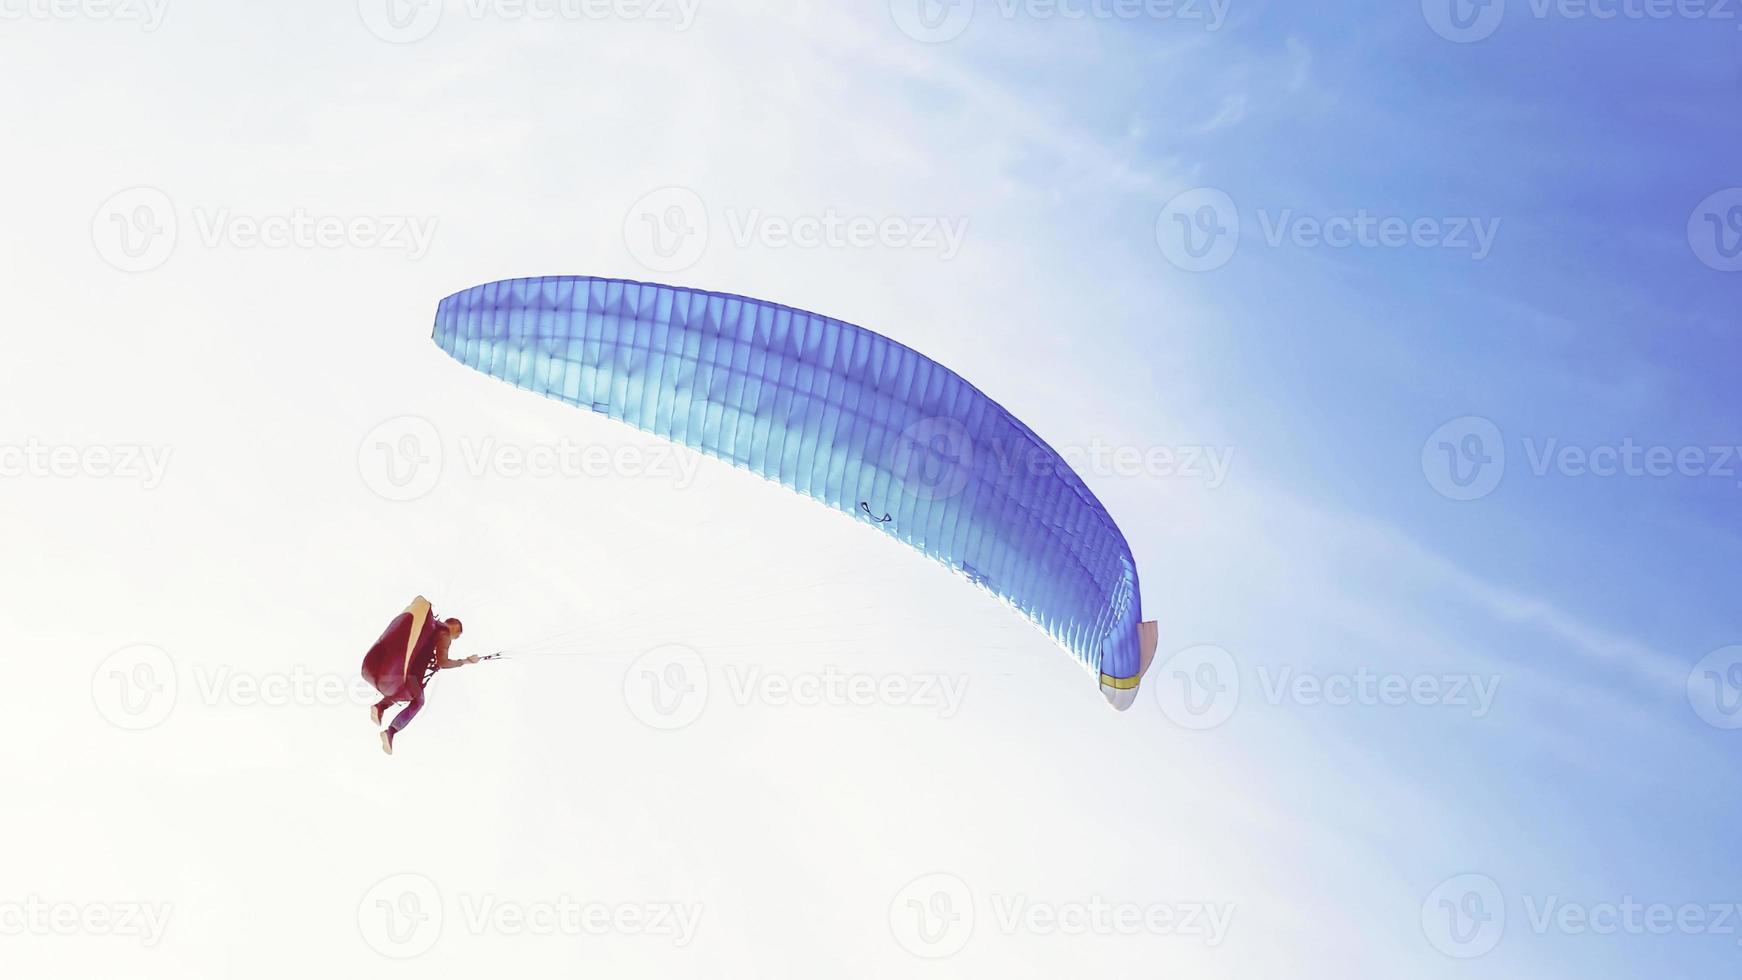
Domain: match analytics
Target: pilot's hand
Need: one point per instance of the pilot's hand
(472, 659)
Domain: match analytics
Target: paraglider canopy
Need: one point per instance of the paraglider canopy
(839, 414)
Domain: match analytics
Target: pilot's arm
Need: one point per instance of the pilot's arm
(444, 639)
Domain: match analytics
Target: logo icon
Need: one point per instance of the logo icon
(933, 458)
(667, 687)
(135, 687)
(1465, 917)
(667, 229)
(1199, 230)
(401, 459)
(1715, 688)
(1198, 688)
(1465, 458)
(1715, 230)
(400, 21)
(932, 21)
(932, 916)
(1464, 21)
(401, 916)
(135, 229)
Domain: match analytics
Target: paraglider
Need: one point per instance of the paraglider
(411, 650)
(837, 413)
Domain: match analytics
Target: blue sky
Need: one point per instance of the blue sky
(1592, 322)
(269, 549)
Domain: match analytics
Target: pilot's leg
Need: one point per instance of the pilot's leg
(406, 714)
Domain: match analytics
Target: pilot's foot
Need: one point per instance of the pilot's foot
(387, 741)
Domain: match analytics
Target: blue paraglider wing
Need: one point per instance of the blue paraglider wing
(839, 414)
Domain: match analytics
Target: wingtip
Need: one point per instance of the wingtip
(1121, 693)
(1120, 698)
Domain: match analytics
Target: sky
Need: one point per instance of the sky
(1399, 339)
